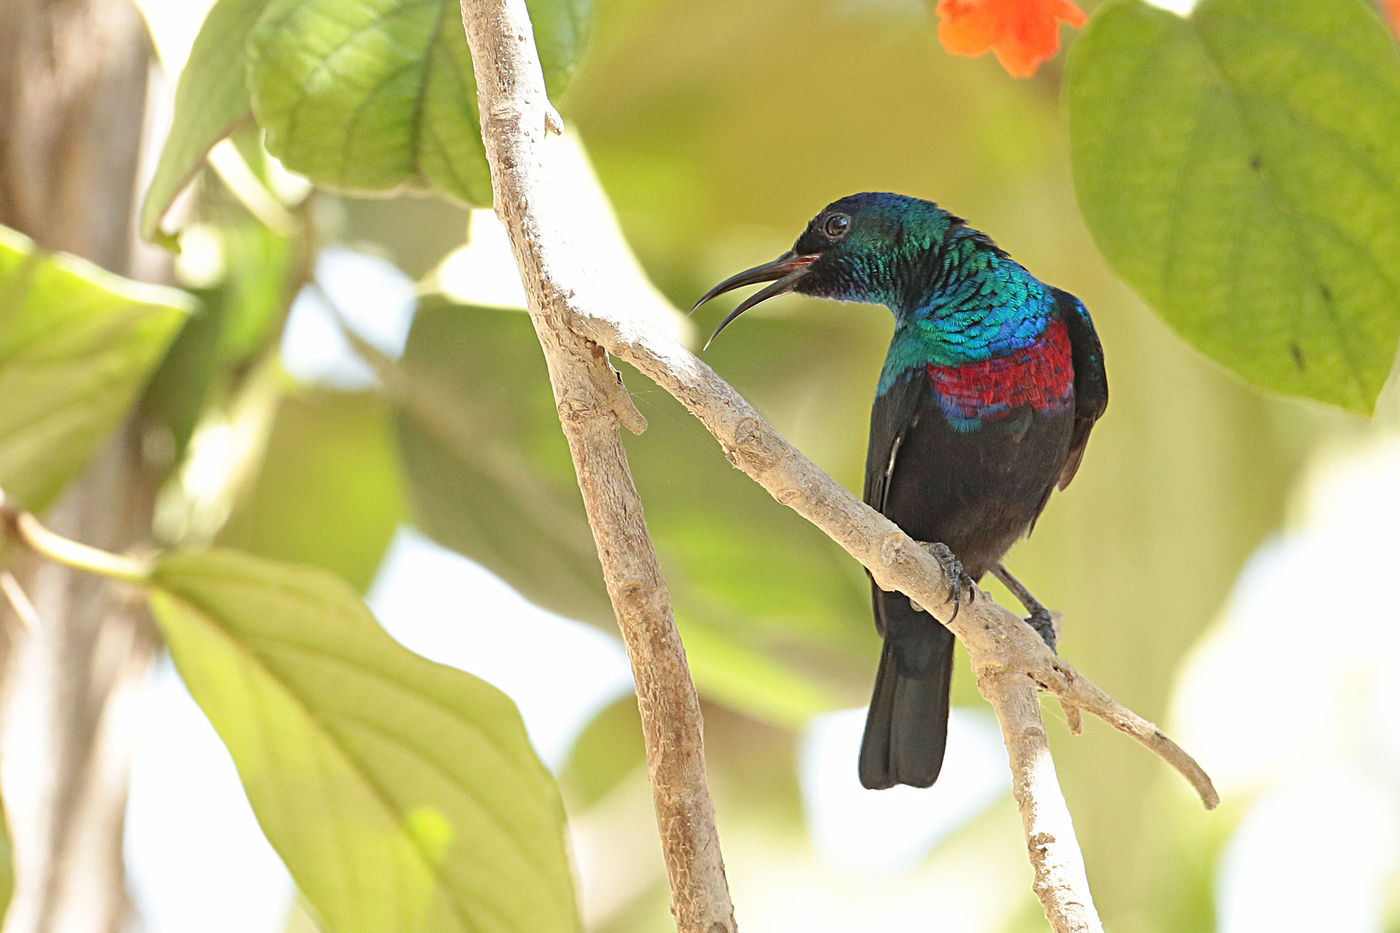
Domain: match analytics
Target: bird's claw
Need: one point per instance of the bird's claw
(958, 579)
(1044, 625)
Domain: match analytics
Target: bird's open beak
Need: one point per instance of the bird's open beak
(784, 272)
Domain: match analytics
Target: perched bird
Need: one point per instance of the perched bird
(992, 383)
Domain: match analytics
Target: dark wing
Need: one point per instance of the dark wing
(906, 730)
(890, 419)
(1090, 381)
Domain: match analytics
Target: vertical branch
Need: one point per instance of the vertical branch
(68, 730)
(72, 105)
(1060, 881)
(592, 404)
(666, 697)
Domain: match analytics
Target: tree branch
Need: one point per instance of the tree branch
(592, 404)
(72, 102)
(582, 280)
(1060, 881)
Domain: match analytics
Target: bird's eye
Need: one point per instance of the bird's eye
(836, 225)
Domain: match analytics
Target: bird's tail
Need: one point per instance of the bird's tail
(907, 727)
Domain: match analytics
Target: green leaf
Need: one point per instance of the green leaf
(608, 749)
(459, 426)
(239, 319)
(77, 343)
(562, 29)
(210, 101)
(374, 95)
(327, 491)
(387, 84)
(7, 864)
(412, 233)
(1241, 169)
(264, 270)
(402, 794)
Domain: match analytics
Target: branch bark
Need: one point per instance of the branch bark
(1060, 881)
(592, 405)
(583, 282)
(72, 102)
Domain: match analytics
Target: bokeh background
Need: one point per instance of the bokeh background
(1224, 560)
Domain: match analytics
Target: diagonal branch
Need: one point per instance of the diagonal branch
(583, 283)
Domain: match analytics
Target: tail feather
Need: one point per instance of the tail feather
(906, 729)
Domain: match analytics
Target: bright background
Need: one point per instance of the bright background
(1223, 560)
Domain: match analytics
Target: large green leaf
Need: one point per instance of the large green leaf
(1241, 169)
(375, 95)
(356, 94)
(402, 794)
(327, 491)
(767, 606)
(77, 343)
(211, 99)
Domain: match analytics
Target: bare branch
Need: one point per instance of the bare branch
(1060, 882)
(515, 114)
(73, 96)
(582, 280)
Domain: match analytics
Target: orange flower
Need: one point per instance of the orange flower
(1392, 15)
(1022, 33)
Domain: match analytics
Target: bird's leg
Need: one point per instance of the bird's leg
(957, 577)
(1039, 618)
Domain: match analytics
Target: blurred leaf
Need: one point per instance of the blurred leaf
(562, 31)
(299, 919)
(263, 274)
(767, 605)
(403, 794)
(179, 388)
(239, 319)
(328, 492)
(607, 750)
(402, 107)
(412, 233)
(374, 95)
(754, 771)
(212, 98)
(488, 471)
(610, 746)
(76, 345)
(7, 865)
(746, 673)
(1238, 168)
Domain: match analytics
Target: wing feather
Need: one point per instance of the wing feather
(1090, 380)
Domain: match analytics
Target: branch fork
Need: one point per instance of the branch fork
(588, 299)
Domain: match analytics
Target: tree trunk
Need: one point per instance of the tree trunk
(72, 105)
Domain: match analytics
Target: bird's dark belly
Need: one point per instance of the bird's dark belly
(978, 490)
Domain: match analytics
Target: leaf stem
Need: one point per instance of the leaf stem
(23, 527)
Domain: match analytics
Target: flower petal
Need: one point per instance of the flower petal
(1022, 33)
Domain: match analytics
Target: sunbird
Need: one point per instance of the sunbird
(991, 386)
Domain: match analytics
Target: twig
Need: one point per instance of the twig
(581, 278)
(23, 526)
(19, 601)
(1060, 882)
(515, 113)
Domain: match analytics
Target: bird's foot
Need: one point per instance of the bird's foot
(1043, 623)
(958, 579)
(1041, 620)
